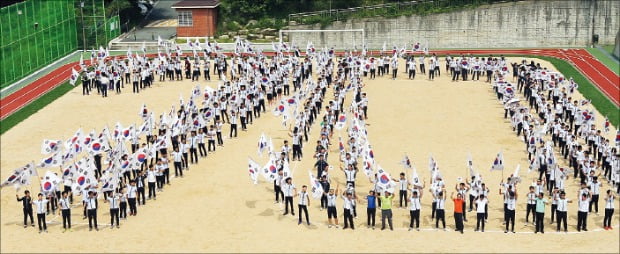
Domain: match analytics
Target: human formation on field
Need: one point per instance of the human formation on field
(98, 165)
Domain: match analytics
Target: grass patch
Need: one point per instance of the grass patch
(35, 106)
(609, 48)
(612, 64)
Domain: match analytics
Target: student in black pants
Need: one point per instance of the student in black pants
(233, 124)
(394, 69)
(41, 203)
(201, 144)
(196, 72)
(582, 214)
(91, 206)
(152, 179)
(288, 190)
(509, 212)
(481, 204)
(609, 209)
(348, 213)
(123, 204)
(65, 209)
(139, 183)
(304, 202)
(114, 201)
(85, 85)
(440, 211)
(27, 207)
(371, 209)
(206, 71)
(136, 78)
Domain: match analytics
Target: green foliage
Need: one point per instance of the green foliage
(395, 9)
(231, 26)
(114, 7)
(94, 21)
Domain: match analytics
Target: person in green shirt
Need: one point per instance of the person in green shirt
(386, 209)
(540, 213)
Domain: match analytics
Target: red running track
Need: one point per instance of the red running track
(600, 75)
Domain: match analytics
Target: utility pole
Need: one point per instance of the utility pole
(83, 31)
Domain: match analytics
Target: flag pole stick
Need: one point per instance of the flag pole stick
(502, 174)
(466, 169)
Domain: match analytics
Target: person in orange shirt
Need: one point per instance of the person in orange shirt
(458, 211)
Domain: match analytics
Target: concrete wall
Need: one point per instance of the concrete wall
(505, 25)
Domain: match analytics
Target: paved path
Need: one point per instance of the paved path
(162, 11)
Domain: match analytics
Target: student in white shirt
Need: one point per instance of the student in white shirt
(331, 208)
(65, 210)
(554, 202)
(609, 209)
(481, 204)
(91, 206)
(414, 208)
(166, 170)
(350, 174)
(132, 194)
(151, 178)
(562, 210)
(123, 203)
(440, 206)
(348, 209)
(193, 148)
(184, 150)
(582, 214)
(595, 187)
(159, 174)
(211, 134)
(114, 201)
(411, 67)
(288, 188)
(403, 183)
(218, 126)
(304, 202)
(531, 205)
(178, 162)
(41, 206)
(233, 123)
(201, 142)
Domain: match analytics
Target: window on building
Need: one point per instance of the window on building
(185, 18)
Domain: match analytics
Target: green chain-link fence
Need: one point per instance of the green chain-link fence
(33, 34)
(95, 26)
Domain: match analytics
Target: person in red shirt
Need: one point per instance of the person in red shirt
(458, 211)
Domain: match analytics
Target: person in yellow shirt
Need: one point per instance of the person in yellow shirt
(386, 209)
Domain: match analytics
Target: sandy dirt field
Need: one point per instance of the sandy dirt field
(216, 208)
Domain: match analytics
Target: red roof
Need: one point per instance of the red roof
(196, 4)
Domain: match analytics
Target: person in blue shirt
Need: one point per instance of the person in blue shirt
(371, 209)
